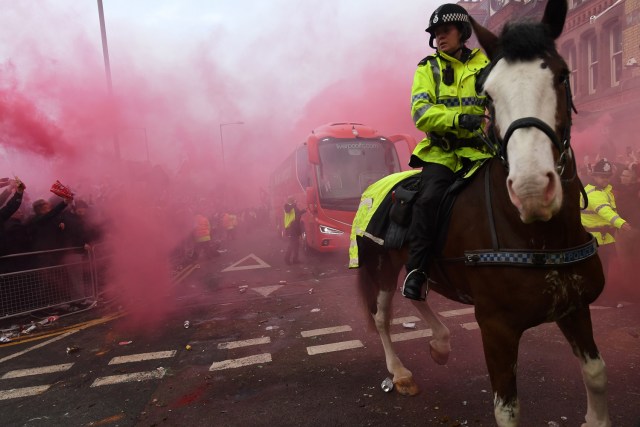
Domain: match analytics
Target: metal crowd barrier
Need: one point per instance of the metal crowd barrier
(35, 281)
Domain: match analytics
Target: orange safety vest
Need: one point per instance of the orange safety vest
(203, 229)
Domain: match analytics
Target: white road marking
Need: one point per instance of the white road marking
(339, 346)
(325, 331)
(125, 378)
(237, 267)
(243, 361)
(266, 290)
(42, 344)
(470, 326)
(459, 312)
(142, 356)
(37, 371)
(23, 392)
(245, 343)
(405, 336)
(400, 320)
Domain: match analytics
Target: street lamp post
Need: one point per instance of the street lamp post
(222, 142)
(107, 70)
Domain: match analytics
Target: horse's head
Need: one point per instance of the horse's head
(531, 107)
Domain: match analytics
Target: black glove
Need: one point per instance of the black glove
(470, 122)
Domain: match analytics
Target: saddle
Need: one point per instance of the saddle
(397, 208)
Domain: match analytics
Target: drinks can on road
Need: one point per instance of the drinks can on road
(387, 385)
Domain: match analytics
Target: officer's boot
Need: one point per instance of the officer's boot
(415, 285)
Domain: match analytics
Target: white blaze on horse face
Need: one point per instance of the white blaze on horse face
(526, 89)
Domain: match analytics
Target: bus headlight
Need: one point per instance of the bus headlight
(328, 230)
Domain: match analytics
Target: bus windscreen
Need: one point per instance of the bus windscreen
(348, 166)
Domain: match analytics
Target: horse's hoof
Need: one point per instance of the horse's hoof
(441, 358)
(406, 386)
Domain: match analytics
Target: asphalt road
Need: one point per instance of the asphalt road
(271, 345)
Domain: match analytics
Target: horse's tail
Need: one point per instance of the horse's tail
(368, 286)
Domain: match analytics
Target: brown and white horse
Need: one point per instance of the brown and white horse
(515, 247)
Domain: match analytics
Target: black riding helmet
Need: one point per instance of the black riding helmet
(449, 13)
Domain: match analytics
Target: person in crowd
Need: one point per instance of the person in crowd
(202, 237)
(45, 225)
(293, 230)
(446, 106)
(229, 223)
(627, 195)
(601, 217)
(79, 230)
(10, 222)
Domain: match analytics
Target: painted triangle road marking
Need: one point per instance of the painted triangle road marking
(258, 263)
(266, 290)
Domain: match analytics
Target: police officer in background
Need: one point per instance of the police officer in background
(293, 230)
(601, 218)
(446, 106)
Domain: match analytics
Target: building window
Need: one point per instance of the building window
(615, 53)
(592, 63)
(569, 55)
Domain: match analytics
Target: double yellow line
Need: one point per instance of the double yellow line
(77, 327)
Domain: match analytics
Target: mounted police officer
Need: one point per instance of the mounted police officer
(446, 106)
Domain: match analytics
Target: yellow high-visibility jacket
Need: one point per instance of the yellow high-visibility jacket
(436, 106)
(600, 218)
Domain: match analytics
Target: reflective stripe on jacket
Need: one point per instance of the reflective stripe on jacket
(435, 106)
(600, 218)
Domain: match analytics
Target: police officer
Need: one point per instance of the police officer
(601, 218)
(446, 106)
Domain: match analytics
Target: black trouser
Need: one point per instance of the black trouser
(435, 181)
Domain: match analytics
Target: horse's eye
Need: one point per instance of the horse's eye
(544, 65)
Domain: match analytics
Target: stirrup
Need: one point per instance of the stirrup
(413, 285)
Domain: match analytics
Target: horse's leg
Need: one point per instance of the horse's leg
(500, 342)
(577, 328)
(402, 377)
(441, 343)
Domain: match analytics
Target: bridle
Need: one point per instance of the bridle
(498, 145)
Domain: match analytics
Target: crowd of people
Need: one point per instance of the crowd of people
(40, 226)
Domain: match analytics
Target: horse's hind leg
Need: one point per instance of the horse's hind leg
(577, 328)
(441, 343)
(402, 377)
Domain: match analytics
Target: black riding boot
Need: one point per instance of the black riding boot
(413, 285)
(436, 179)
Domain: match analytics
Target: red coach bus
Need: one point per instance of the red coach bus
(328, 172)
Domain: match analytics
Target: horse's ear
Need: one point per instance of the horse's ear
(487, 39)
(554, 15)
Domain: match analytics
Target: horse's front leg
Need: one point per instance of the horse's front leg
(500, 342)
(578, 330)
(402, 377)
(441, 342)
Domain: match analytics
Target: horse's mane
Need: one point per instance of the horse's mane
(525, 41)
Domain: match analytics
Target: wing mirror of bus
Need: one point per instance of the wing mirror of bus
(312, 197)
(409, 140)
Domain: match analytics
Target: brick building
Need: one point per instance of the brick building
(601, 44)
